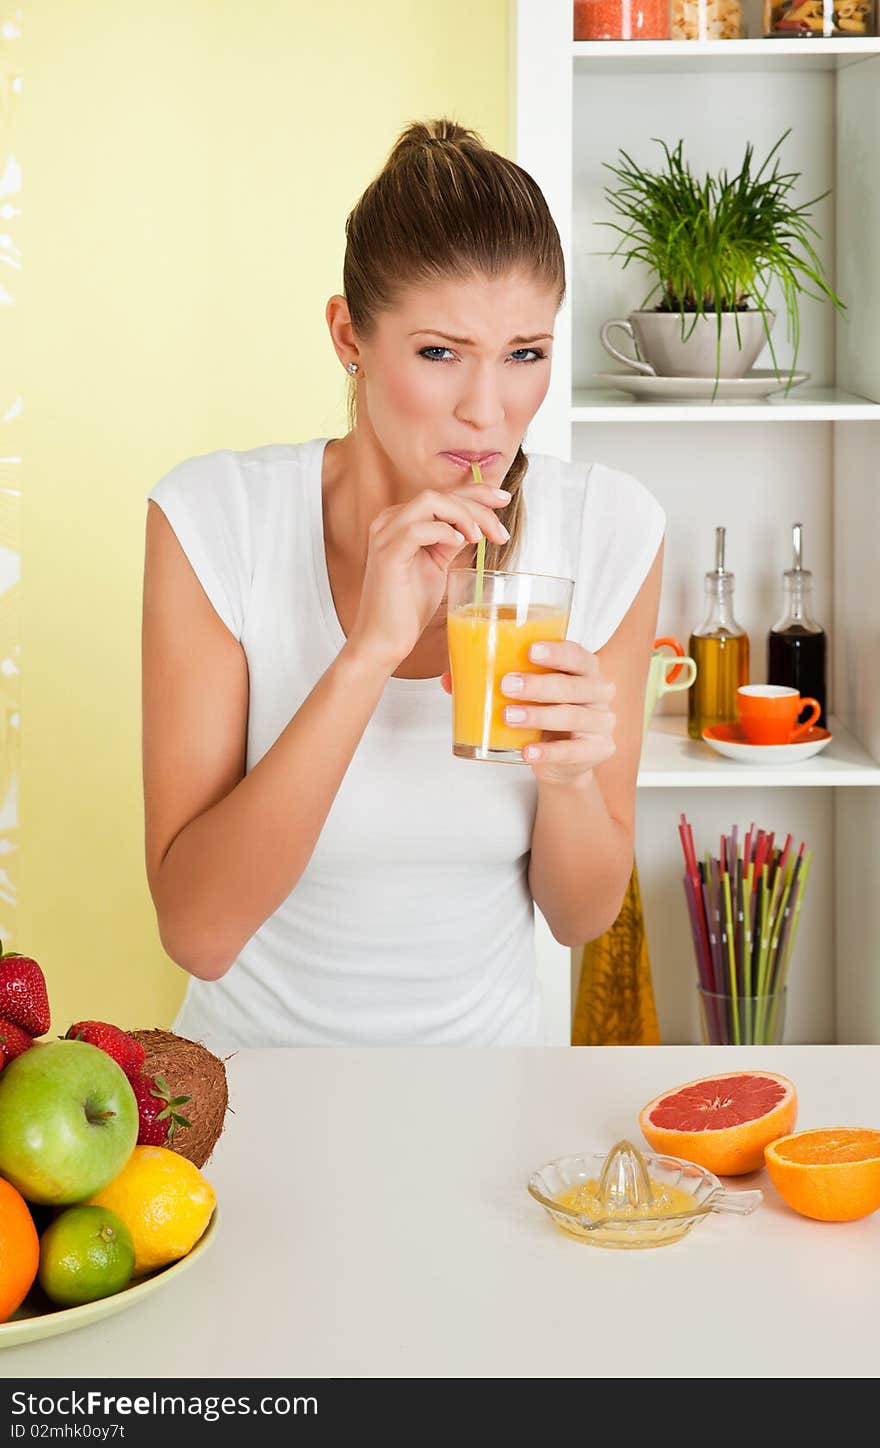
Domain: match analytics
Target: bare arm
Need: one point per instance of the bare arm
(225, 848)
(582, 841)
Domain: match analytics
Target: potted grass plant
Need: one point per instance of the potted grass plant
(715, 247)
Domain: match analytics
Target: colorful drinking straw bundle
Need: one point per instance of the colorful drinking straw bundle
(744, 911)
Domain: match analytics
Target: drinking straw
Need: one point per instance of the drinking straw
(797, 910)
(695, 900)
(787, 934)
(734, 999)
(779, 921)
(747, 945)
(790, 940)
(481, 548)
(710, 928)
(701, 957)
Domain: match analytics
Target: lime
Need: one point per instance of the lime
(86, 1253)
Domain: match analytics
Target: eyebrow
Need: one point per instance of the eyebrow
(469, 342)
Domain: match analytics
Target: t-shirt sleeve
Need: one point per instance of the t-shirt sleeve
(622, 528)
(205, 501)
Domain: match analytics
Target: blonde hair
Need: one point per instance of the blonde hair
(445, 205)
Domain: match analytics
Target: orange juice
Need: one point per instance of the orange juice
(485, 643)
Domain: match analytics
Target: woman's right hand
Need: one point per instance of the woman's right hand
(411, 549)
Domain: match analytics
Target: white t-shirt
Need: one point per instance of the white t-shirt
(412, 923)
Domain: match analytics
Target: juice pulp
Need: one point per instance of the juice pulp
(668, 1201)
(486, 643)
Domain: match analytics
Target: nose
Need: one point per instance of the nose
(480, 403)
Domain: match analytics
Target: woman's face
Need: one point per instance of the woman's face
(456, 372)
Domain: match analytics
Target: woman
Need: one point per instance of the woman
(322, 866)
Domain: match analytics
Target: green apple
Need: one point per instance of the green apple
(68, 1122)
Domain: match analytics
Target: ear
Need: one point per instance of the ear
(342, 334)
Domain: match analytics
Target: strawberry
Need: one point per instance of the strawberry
(126, 1052)
(13, 1042)
(23, 997)
(156, 1107)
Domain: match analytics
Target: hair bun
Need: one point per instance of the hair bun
(422, 134)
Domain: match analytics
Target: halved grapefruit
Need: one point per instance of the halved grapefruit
(722, 1122)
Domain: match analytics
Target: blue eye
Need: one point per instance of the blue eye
(445, 354)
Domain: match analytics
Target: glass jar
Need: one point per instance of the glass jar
(707, 20)
(822, 19)
(621, 19)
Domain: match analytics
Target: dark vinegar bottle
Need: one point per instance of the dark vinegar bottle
(796, 645)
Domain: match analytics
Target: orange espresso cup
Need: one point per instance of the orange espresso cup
(768, 713)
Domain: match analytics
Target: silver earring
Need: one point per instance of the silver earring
(351, 369)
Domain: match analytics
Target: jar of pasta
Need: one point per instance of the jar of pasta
(805, 19)
(707, 20)
(621, 19)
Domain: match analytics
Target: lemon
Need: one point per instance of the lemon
(85, 1253)
(164, 1201)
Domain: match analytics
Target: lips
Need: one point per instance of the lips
(465, 459)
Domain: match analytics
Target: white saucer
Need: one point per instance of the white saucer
(727, 739)
(756, 384)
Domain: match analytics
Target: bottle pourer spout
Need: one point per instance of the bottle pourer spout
(797, 541)
(719, 549)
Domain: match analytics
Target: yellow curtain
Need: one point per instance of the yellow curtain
(615, 1001)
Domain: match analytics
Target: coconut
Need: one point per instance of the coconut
(190, 1069)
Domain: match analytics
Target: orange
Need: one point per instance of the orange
(722, 1122)
(19, 1249)
(831, 1173)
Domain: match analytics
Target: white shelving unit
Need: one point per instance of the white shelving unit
(813, 457)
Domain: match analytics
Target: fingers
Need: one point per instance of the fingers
(559, 688)
(581, 752)
(562, 718)
(469, 510)
(474, 514)
(428, 534)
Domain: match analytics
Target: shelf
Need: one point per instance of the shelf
(803, 404)
(664, 56)
(672, 760)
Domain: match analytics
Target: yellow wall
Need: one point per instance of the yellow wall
(188, 166)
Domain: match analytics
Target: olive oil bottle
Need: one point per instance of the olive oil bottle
(796, 644)
(721, 650)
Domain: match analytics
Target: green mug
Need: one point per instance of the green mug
(667, 674)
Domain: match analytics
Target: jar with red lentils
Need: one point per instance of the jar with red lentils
(621, 19)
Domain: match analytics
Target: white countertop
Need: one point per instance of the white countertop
(376, 1223)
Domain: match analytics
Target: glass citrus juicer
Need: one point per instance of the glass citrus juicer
(627, 1199)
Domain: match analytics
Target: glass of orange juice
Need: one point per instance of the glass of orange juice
(489, 631)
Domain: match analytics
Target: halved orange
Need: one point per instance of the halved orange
(831, 1173)
(722, 1122)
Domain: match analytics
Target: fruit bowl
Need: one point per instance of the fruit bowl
(36, 1318)
(646, 1222)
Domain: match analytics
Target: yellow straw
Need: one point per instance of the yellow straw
(481, 546)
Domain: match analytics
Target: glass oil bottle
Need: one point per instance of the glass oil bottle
(721, 650)
(796, 645)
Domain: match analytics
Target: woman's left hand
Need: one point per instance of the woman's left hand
(571, 703)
